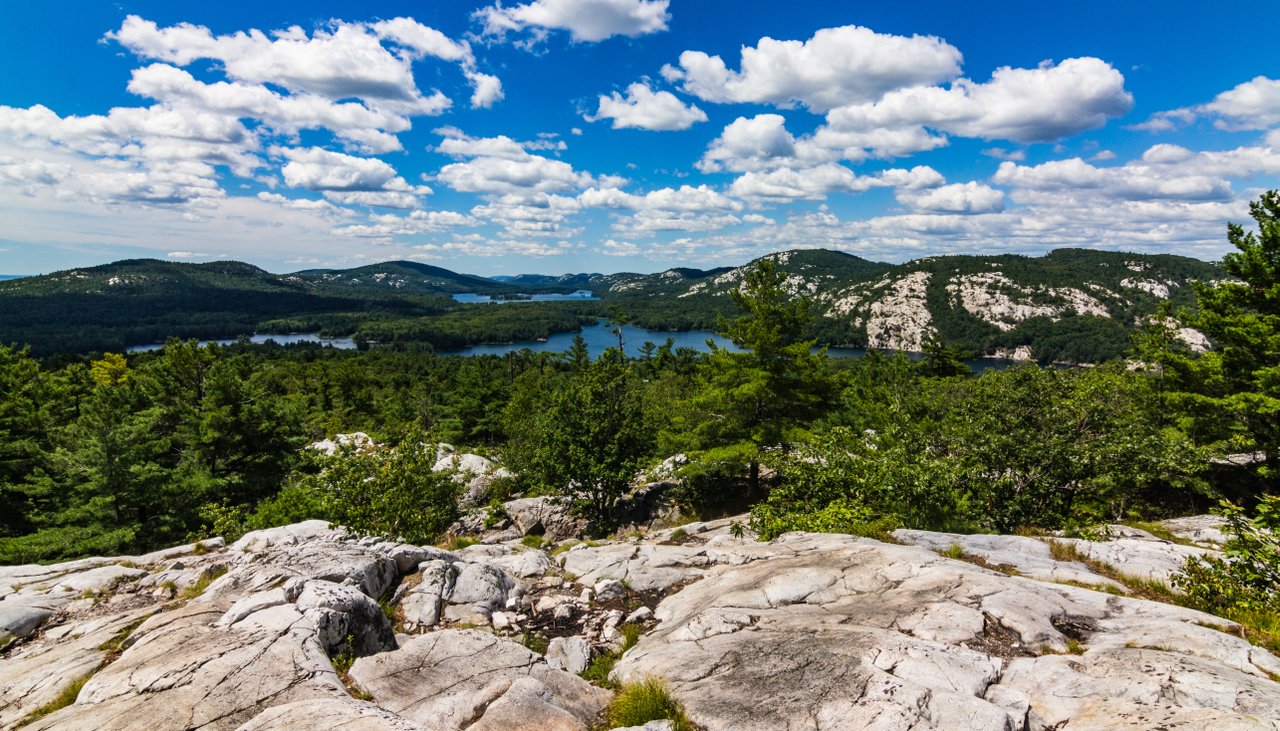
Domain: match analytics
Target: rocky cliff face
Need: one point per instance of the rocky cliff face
(805, 632)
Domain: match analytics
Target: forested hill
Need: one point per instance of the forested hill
(1070, 305)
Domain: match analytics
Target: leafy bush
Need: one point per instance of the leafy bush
(387, 492)
(1248, 580)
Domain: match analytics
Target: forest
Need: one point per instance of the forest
(112, 454)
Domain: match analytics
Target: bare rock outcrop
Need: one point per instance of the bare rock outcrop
(808, 631)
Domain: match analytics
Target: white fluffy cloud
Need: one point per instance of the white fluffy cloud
(643, 108)
(585, 20)
(836, 67)
(1023, 105)
(818, 182)
(344, 61)
(502, 166)
(971, 197)
(348, 179)
(1254, 104)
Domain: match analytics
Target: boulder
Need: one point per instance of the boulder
(345, 619)
(455, 679)
(545, 516)
(484, 588)
(571, 654)
(423, 605)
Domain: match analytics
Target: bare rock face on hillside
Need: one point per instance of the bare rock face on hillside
(805, 632)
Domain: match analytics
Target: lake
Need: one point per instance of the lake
(582, 295)
(339, 343)
(598, 338)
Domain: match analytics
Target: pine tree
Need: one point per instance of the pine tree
(756, 399)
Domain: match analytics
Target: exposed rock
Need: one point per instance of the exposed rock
(331, 714)
(476, 472)
(484, 588)
(345, 619)
(359, 441)
(571, 654)
(607, 590)
(834, 632)
(1205, 530)
(901, 320)
(803, 632)
(455, 679)
(548, 517)
(423, 605)
(35, 674)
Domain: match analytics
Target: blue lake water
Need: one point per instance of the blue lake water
(598, 338)
(339, 343)
(582, 295)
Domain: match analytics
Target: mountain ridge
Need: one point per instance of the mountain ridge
(1075, 305)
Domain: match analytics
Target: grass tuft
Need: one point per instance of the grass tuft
(597, 672)
(197, 588)
(647, 700)
(460, 542)
(65, 697)
(532, 541)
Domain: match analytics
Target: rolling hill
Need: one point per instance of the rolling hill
(1071, 305)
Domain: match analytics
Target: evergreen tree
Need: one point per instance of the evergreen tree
(1232, 393)
(758, 398)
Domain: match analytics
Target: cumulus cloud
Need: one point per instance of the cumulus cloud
(585, 20)
(1023, 105)
(385, 226)
(971, 197)
(818, 182)
(761, 142)
(643, 108)
(502, 166)
(1254, 104)
(348, 179)
(343, 61)
(836, 67)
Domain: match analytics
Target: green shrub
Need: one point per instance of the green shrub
(1245, 586)
(647, 700)
(389, 492)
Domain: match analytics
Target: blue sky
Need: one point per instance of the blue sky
(609, 135)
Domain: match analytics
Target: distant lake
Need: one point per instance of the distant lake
(339, 343)
(598, 338)
(582, 295)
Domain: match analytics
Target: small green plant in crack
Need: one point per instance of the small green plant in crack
(532, 541)
(536, 642)
(630, 635)
(650, 699)
(64, 698)
(597, 672)
(197, 587)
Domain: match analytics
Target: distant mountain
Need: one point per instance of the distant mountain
(11, 276)
(400, 276)
(1071, 305)
(137, 301)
